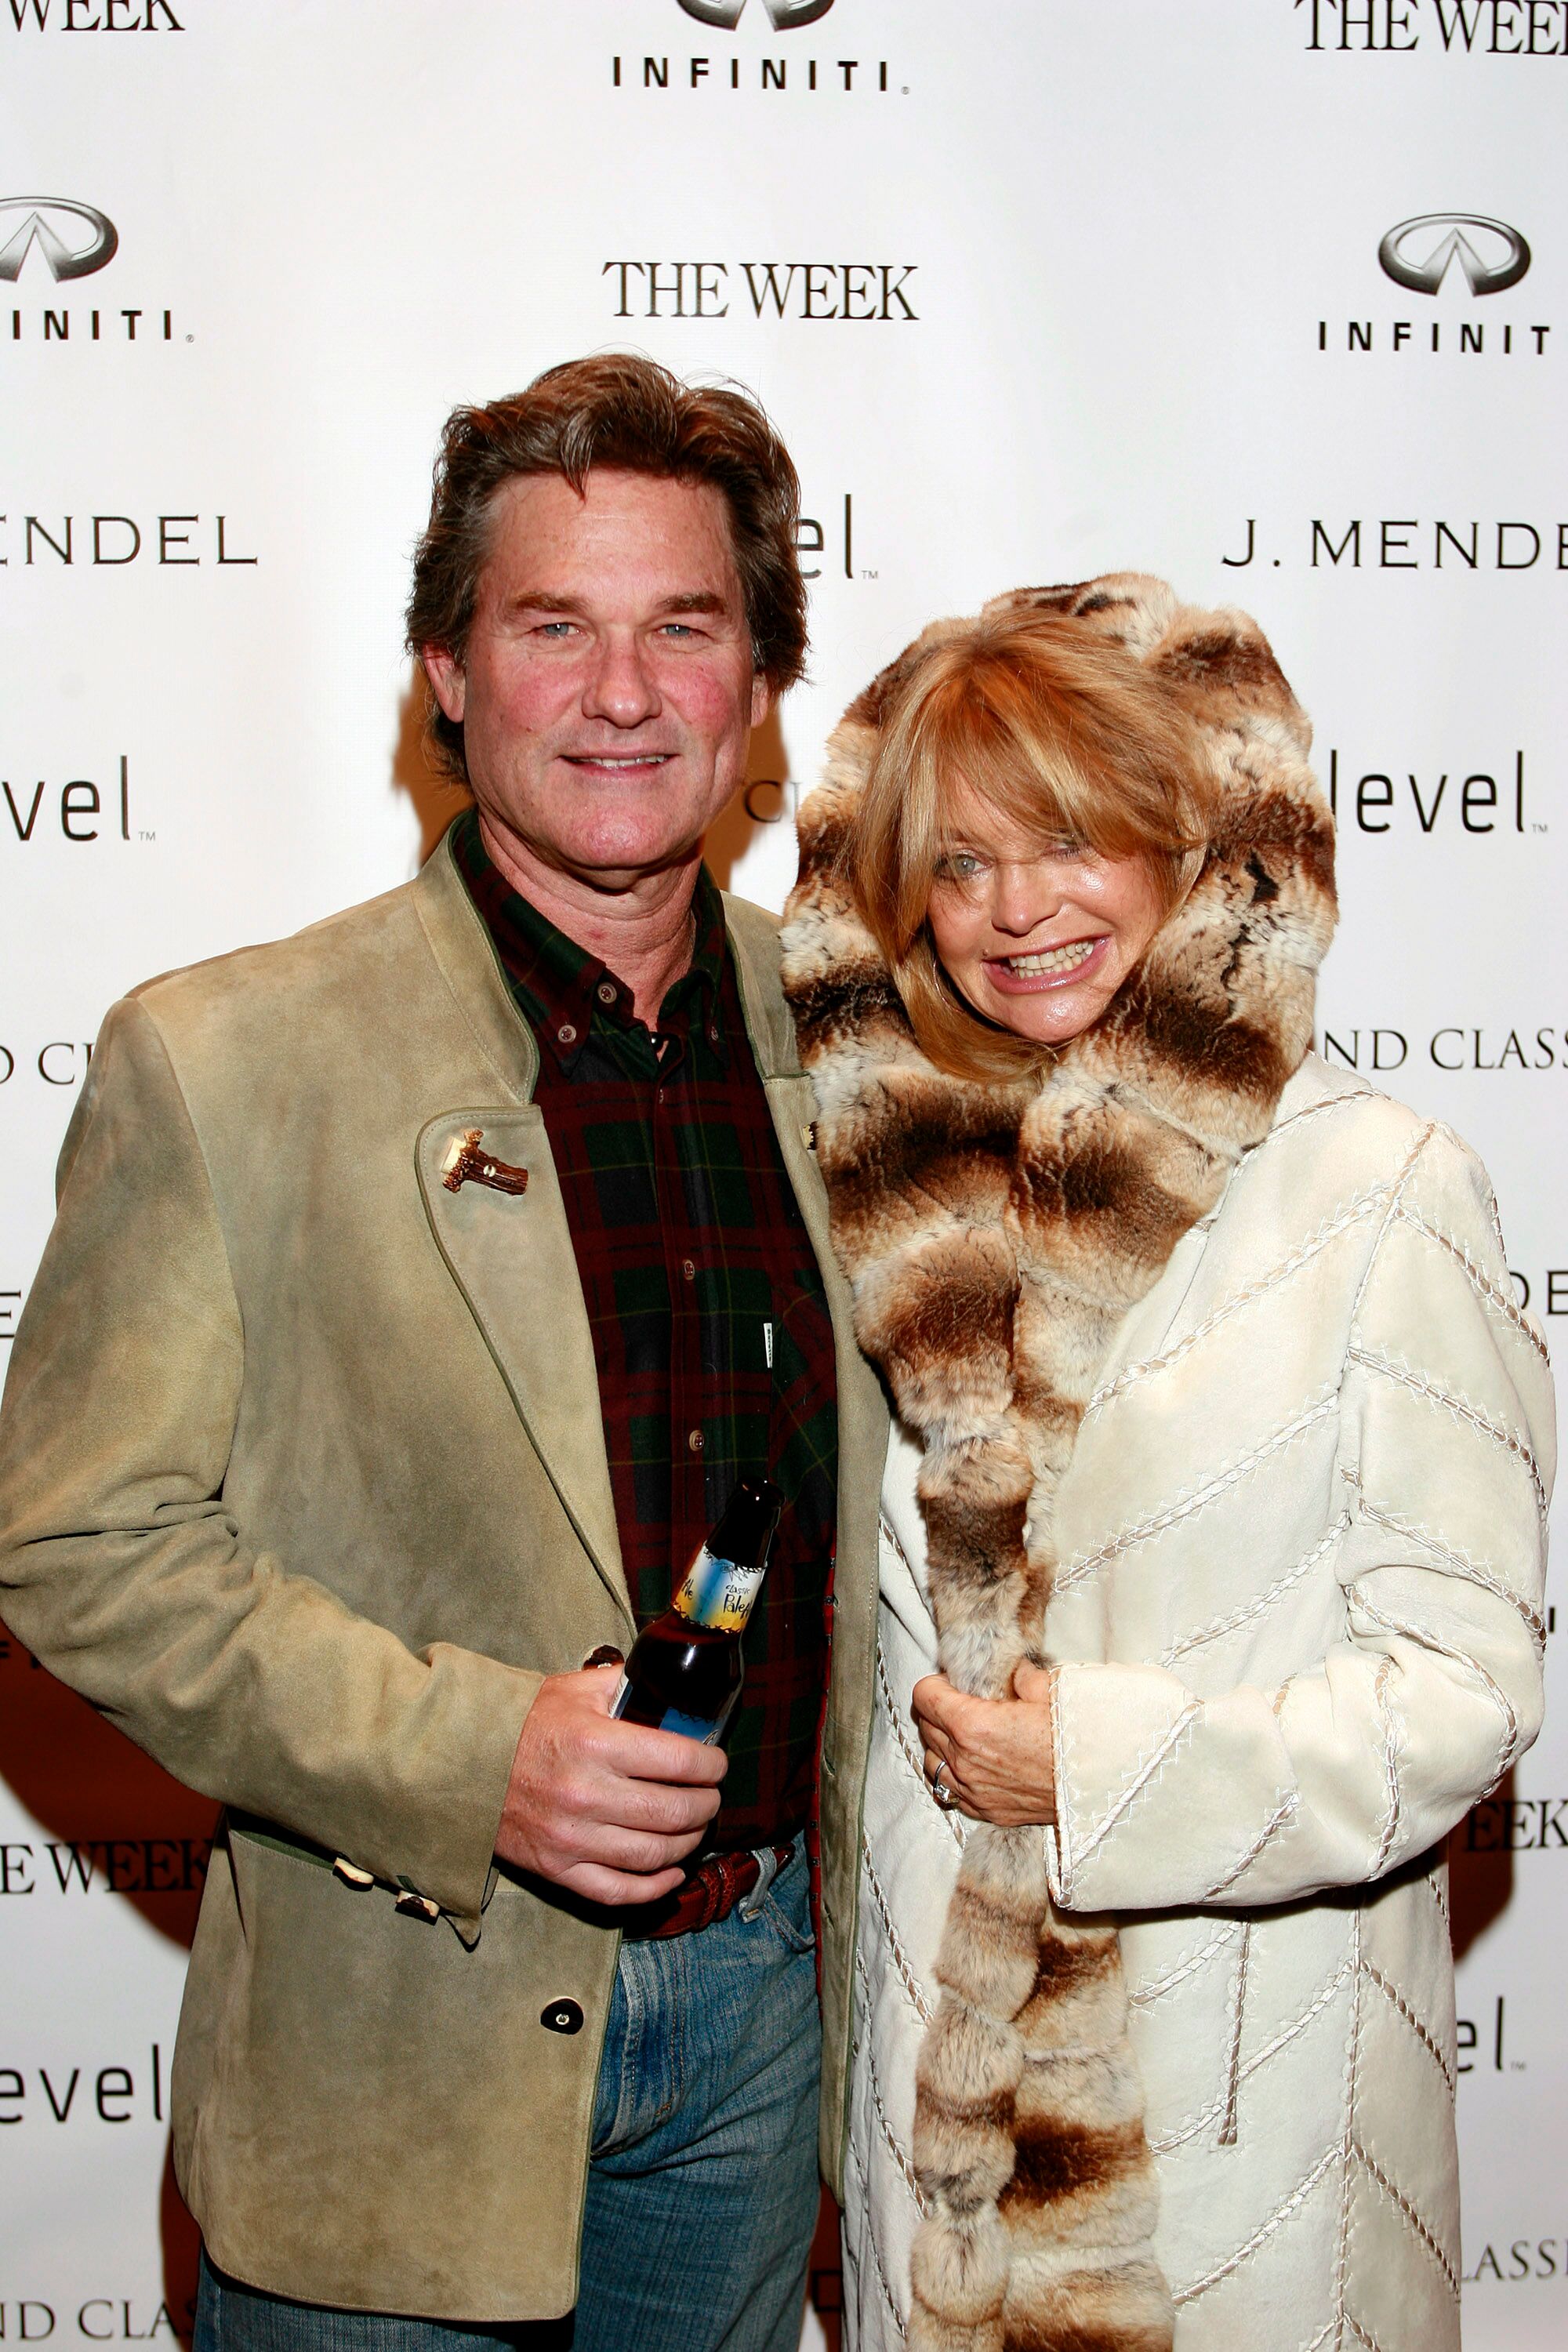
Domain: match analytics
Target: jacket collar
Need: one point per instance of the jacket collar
(469, 964)
(466, 956)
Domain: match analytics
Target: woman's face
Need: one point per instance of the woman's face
(1037, 940)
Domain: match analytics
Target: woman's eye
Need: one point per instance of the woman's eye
(960, 866)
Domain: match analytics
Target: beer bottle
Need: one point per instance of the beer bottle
(684, 1671)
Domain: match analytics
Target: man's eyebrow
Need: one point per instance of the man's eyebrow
(694, 600)
(697, 600)
(539, 601)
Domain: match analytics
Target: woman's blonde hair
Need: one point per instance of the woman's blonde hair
(1063, 732)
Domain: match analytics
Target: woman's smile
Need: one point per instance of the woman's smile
(1045, 967)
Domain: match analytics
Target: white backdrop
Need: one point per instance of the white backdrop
(1033, 291)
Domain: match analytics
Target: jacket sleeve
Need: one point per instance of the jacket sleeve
(1369, 1756)
(121, 1567)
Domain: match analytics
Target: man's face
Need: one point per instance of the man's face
(606, 693)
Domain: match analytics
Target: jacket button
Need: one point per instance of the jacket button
(562, 2017)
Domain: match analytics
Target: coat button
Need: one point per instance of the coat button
(562, 2017)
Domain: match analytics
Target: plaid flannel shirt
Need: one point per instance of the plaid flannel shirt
(711, 1332)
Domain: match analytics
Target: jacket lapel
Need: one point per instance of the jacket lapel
(511, 1253)
(791, 1101)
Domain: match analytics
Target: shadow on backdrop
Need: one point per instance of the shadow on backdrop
(113, 1826)
(436, 799)
(1480, 1867)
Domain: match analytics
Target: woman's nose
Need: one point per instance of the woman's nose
(1023, 897)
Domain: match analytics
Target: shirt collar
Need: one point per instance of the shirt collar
(561, 989)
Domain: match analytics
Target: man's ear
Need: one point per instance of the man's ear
(762, 698)
(447, 681)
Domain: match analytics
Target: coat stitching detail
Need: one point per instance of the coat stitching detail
(1458, 1406)
(1424, 1638)
(869, 2237)
(1284, 1812)
(906, 1750)
(1261, 2236)
(1390, 1763)
(1144, 1772)
(1397, 2198)
(1303, 1255)
(905, 2167)
(1458, 1564)
(1156, 1990)
(1211, 2115)
(1353, 1099)
(906, 1976)
(1408, 1170)
(1227, 2130)
(1352, 2061)
(1217, 1627)
(885, 1529)
(1392, 1993)
(1484, 1288)
(1200, 1498)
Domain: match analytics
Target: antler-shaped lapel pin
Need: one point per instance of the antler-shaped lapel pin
(465, 1163)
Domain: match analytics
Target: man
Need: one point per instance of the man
(419, 1289)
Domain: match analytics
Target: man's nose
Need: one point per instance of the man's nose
(1022, 897)
(620, 684)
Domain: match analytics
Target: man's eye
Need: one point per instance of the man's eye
(678, 629)
(554, 629)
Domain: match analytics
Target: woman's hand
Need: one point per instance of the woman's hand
(996, 1753)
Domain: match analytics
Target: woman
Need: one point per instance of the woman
(1216, 1501)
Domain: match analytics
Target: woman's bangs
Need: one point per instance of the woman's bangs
(1022, 763)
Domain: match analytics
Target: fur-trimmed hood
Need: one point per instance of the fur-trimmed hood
(993, 1237)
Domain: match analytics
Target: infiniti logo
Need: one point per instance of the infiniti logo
(787, 15)
(39, 215)
(1491, 254)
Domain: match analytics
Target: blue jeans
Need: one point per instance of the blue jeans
(702, 2180)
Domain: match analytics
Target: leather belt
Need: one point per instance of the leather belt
(716, 1888)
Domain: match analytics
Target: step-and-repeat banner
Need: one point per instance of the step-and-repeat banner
(1266, 296)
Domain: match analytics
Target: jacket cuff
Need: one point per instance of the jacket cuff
(443, 1848)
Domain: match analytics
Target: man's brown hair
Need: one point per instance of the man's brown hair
(623, 411)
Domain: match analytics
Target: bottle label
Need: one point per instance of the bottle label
(719, 1593)
(690, 1727)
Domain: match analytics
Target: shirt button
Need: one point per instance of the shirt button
(566, 1035)
(689, 1269)
(713, 1035)
(694, 1441)
(606, 992)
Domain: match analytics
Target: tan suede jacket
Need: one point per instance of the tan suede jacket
(303, 1482)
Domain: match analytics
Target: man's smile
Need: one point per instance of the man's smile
(618, 763)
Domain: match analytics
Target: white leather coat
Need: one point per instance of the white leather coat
(1296, 1633)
